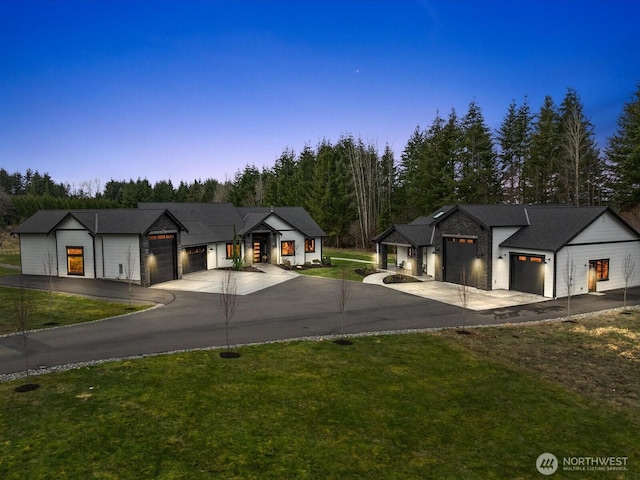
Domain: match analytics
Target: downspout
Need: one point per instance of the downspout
(102, 249)
(95, 268)
(57, 256)
(555, 274)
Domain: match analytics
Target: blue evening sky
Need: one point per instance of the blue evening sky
(183, 90)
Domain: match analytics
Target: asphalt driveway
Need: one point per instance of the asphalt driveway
(298, 308)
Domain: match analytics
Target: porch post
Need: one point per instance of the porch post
(416, 265)
(382, 256)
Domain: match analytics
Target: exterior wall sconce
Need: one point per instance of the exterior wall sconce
(500, 257)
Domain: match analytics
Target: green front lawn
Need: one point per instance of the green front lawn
(10, 258)
(346, 253)
(337, 270)
(401, 407)
(59, 309)
(4, 271)
(355, 254)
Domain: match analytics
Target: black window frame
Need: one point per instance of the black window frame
(309, 245)
(293, 248)
(75, 255)
(599, 270)
(229, 250)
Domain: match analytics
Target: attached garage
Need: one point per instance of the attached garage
(194, 259)
(460, 256)
(527, 273)
(162, 257)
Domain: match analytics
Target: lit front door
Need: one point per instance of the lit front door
(257, 252)
(593, 277)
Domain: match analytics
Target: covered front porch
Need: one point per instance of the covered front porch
(411, 244)
(410, 258)
(261, 246)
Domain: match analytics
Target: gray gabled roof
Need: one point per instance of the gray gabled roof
(540, 227)
(217, 222)
(253, 220)
(102, 221)
(207, 222)
(297, 217)
(498, 215)
(416, 235)
(434, 217)
(552, 227)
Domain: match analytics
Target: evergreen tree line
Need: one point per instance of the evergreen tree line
(353, 190)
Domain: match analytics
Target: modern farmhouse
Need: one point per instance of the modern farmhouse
(157, 242)
(540, 249)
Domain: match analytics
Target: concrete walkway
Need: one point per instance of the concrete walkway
(449, 293)
(210, 281)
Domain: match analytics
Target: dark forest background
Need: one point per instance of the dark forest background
(354, 190)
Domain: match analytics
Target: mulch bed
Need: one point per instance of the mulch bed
(244, 269)
(399, 278)
(230, 354)
(27, 387)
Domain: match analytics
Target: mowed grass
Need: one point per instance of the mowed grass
(59, 309)
(433, 406)
(342, 268)
(337, 269)
(347, 253)
(51, 310)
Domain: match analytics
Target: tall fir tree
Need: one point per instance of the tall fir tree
(389, 182)
(540, 170)
(514, 140)
(476, 171)
(579, 153)
(412, 174)
(623, 153)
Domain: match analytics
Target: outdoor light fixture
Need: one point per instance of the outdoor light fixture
(500, 257)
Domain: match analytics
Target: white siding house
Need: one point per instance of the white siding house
(158, 242)
(114, 244)
(38, 254)
(276, 235)
(529, 248)
(121, 257)
(597, 265)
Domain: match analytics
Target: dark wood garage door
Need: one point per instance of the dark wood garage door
(162, 258)
(459, 256)
(527, 273)
(194, 259)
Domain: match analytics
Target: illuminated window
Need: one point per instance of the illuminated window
(535, 259)
(462, 240)
(288, 248)
(310, 245)
(163, 236)
(602, 269)
(75, 260)
(230, 250)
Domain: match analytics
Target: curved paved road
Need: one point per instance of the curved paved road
(298, 308)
